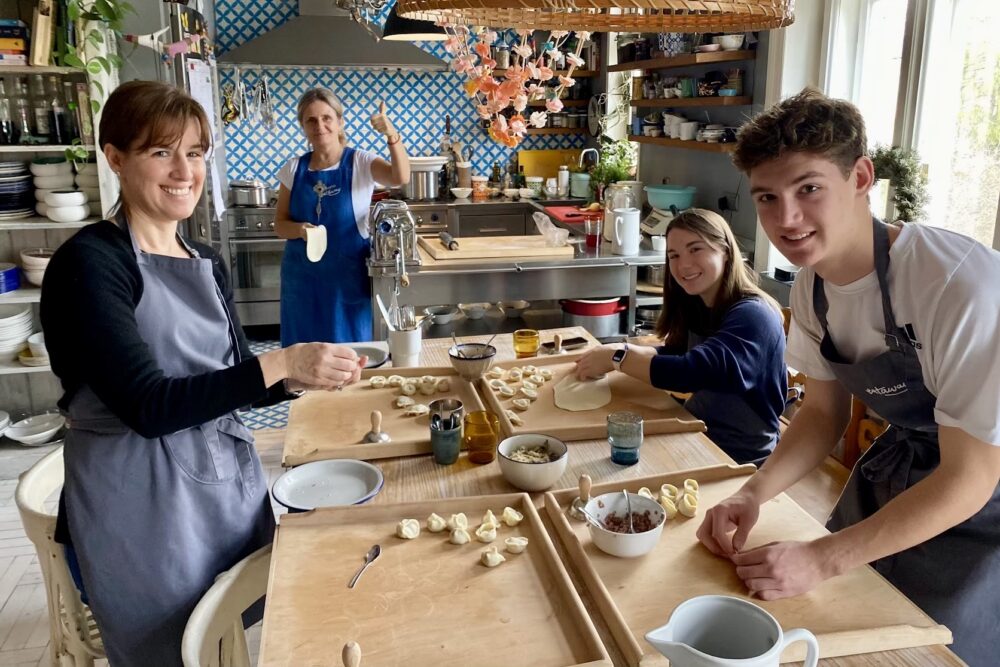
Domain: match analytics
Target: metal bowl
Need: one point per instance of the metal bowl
(441, 314)
(514, 309)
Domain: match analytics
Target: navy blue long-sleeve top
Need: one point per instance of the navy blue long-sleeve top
(736, 375)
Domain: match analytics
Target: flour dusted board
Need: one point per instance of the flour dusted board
(661, 413)
(857, 612)
(423, 601)
(495, 247)
(331, 425)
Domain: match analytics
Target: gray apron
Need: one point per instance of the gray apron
(954, 577)
(732, 424)
(154, 520)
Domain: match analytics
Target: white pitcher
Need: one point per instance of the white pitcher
(626, 236)
(723, 631)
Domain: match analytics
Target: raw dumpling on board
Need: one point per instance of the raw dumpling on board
(578, 395)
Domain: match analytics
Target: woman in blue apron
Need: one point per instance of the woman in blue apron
(163, 488)
(904, 319)
(328, 298)
(725, 342)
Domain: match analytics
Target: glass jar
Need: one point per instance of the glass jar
(617, 197)
(502, 55)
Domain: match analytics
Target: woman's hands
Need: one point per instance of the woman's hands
(381, 123)
(739, 513)
(302, 229)
(595, 363)
(312, 366)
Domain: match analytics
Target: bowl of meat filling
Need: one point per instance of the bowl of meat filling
(532, 462)
(615, 535)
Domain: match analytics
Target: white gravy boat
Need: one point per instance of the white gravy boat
(723, 631)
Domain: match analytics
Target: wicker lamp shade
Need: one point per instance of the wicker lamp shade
(608, 15)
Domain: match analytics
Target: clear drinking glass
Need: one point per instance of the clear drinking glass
(625, 437)
(526, 343)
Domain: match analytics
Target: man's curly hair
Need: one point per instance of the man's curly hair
(809, 122)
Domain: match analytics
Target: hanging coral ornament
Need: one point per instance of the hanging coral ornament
(518, 85)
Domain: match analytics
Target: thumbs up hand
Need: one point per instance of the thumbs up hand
(381, 123)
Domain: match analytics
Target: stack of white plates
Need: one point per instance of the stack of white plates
(15, 327)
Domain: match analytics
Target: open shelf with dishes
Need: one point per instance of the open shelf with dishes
(25, 294)
(680, 143)
(38, 222)
(41, 148)
(556, 130)
(15, 367)
(38, 69)
(565, 103)
(685, 60)
(672, 102)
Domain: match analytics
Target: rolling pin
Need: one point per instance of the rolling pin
(448, 240)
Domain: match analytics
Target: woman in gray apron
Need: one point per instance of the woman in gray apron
(163, 489)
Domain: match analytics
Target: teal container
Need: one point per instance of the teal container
(670, 197)
(579, 185)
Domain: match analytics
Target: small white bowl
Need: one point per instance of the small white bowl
(330, 483)
(85, 167)
(59, 182)
(36, 343)
(729, 42)
(471, 360)
(42, 208)
(441, 314)
(526, 193)
(514, 309)
(36, 258)
(512, 193)
(532, 477)
(68, 213)
(707, 48)
(66, 198)
(461, 193)
(475, 311)
(88, 180)
(624, 545)
(40, 193)
(34, 277)
(36, 430)
(50, 168)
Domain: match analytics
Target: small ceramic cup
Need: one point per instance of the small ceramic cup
(446, 443)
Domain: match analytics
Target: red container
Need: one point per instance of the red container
(592, 307)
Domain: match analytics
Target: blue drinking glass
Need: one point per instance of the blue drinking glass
(625, 437)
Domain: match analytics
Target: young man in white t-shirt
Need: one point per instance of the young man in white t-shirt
(905, 319)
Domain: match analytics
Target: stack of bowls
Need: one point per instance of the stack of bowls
(36, 354)
(10, 280)
(34, 262)
(16, 201)
(51, 173)
(66, 205)
(87, 183)
(15, 328)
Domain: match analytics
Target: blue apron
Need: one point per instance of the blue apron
(328, 301)
(955, 576)
(153, 521)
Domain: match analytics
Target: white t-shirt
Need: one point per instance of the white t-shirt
(362, 184)
(947, 287)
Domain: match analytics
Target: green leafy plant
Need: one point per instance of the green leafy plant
(902, 168)
(617, 163)
(110, 15)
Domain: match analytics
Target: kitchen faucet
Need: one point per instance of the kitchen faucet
(589, 150)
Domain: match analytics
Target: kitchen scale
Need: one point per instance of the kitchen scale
(656, 222)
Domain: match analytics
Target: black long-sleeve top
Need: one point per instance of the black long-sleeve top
(91, 289)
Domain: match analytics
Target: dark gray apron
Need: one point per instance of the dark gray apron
(954, 577)
(730, 421)
(154, 520)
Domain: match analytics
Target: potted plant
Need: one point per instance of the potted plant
(908, 184)
(617, 163)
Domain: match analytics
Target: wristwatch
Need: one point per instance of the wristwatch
(619, 356)
(292, 393)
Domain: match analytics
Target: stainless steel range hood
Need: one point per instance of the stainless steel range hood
(324, 36)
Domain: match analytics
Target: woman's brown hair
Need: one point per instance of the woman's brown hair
(142, 114)
(683, 312)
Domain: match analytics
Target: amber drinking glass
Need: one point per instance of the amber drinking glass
(526, 343)
(481, 436)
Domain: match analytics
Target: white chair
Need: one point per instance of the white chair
(214, 634)
(76, 641)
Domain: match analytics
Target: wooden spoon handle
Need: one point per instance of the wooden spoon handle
(585, 484)
(557, 343)
(351, 655)
(376, 422)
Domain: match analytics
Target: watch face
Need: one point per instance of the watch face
(618, 356)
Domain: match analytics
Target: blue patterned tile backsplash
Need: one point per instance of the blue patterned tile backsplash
(416, 102)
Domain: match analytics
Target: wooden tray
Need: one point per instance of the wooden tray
(423, 601)
(330, 425)
(857, 612)
(660, 412)
(494, 247)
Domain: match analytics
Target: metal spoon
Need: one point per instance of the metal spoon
(628, 509)
(458, 350)
(377, 435)
(370, 557)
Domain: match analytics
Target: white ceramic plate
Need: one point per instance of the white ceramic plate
(332, 483)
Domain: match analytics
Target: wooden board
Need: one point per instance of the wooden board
(423, 601)
(572, 214)
(331, 425)
(494, 247)
(660, 411)
(857, 612)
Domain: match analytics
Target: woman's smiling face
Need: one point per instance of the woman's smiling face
(696, 265)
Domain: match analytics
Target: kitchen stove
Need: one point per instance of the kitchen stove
(253, 253)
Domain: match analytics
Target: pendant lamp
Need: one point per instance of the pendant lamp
(399, 29)
(607, 15)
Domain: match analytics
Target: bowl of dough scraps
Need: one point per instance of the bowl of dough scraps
(471, 360)
(532, 462)
(616, 536)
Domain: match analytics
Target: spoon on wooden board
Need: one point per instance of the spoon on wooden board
(576, 509)
(351, 655)
(377, 435)
(628, 510)
(370, 557)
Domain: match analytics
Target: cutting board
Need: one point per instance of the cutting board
(572, 214)
(423, 601)
(857, 612)
(494, 247)
(661, 413)
(331, 425)
(546, 163)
